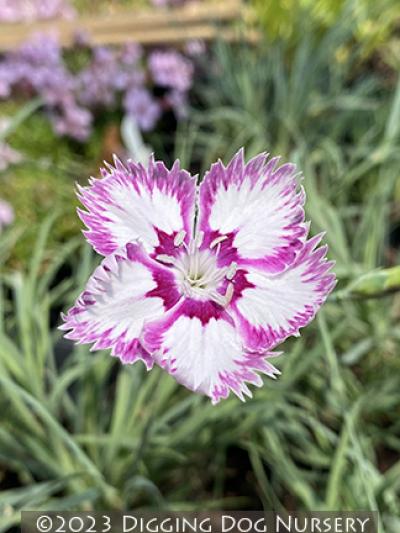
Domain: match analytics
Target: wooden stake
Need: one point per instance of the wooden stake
(206, 21)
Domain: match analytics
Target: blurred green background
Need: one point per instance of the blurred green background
(79, 431)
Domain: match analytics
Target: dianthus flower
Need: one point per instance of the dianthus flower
(203, 281)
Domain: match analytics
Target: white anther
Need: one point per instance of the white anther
(166, 259)
(218, 240)
(229, 293)
(230, 273)
(218, 298)
(179, 238)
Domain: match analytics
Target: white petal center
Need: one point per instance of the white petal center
(197, 270)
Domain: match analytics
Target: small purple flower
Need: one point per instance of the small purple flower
(8, 156)
(131, 53)
(41, 49)
(171, 69)
(30, 10)
(195, 47)
(73, 121)
(111, 76)
(96, 83)
(6, 214)
(37, 67)
(140, 104)
(203, 281)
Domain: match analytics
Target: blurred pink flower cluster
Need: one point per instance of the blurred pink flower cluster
(144, 85)
(8, 156)
(6, 214)
(29, 10)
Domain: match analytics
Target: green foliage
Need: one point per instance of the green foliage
(45, 180)
(373, 23)
(82, 432)
(374, 284)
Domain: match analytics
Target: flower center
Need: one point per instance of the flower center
(197, 271)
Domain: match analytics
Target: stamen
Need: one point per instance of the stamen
(179, 238)
(218, 240)
(218, 298)
(197, 269)
(186, 288)
(229, 294)
(164, 258)
(199, 239)
(231, 270)
(196, 266)
(192, 247)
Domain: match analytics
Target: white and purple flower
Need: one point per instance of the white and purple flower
(204, 281)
